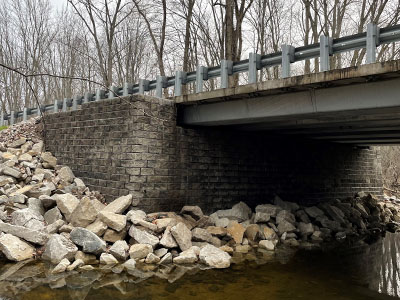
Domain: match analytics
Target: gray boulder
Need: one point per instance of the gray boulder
(84, 213)
(52, 215)
(269, 209)
(194, 211)
(313, 212)
(143, 237)
(120, 250)
(27, 234)
(239, 212)
(119, 205)
(182, 236)
(285, 215)
(14, 248)
(89, 241)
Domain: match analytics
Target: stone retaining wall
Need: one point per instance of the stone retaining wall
(133, 145)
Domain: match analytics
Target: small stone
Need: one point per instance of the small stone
(269, 209)
(236, 231)
(88, 259)
(214, 257)
(222, 222)
(17, 143)
(151, 258)
(18, 198)
(227, 249)
(182, 236)
(86, 268)
(285, 215)
(267, 245)
(79, 183)
(54, 227)
(161, 252)
(120, 250)
(139, 251)
(108, 259)
(134, 214)
(252, 232)
(217, 231)
(14, 248)
(130, 264)
(242, 248)
(76, 264)
(25, 157)
(340, 235)
(61, 267)
(66, 174)
(167, 259)
(89, 241)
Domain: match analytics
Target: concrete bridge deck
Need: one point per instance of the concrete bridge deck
(356, 105)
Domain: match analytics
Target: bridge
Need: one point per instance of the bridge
(304, 137)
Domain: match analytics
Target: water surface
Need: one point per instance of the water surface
(359, 271)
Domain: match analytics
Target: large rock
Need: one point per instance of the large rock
(201, 235)
(252, 232)
(89, 241)
(49, 161)
(306, 229)
(236, 231)
(112, 236)
(66, 203)
(52, 215)
(139, 251)
(152, 259)
(186, 257)
(27, 234)
(285, 215)
(120, 250)
(267, 245)
(119, 205)
(66, 174)
(182, 236)
(313, 211)
(261, 217)
(13, 172)
(14, 248)
(17, 143)
(290, 206)
(143, 237)
(168, 240)
(214, 257)
(84, 213)
(269, 209)
(134, 215)
(285, 226)
(334, 212)
(59, 247)
(194, 211)
(28, 218)
(115, 221)
(98, 227)
(239, 212)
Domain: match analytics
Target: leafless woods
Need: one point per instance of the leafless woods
(117, 41)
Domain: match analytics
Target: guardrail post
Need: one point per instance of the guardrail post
(226, 70)
(113, 92)
(2, 119)
(254, 66)
(25, 114)
(325, 51)
(38, 111)
(12, 117)
(160, 84)
(287, 59)
(55, 108)
(201, 75)
(64, 106)
(100, 94)
(127, 89)
(143, 86)
(75, 102)
(88, 97)
(180, 79)
(372, 42)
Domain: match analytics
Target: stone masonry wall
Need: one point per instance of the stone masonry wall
(133, 145)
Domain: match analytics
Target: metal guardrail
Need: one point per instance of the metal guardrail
(324, 49)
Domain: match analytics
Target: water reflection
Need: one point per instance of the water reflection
(357, 271)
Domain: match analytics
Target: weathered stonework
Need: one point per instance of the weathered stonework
(133, 144)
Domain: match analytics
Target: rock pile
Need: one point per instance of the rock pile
(45, 211)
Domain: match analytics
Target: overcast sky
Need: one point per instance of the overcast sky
(58, 3)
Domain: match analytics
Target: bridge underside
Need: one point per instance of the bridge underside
(359, 105)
